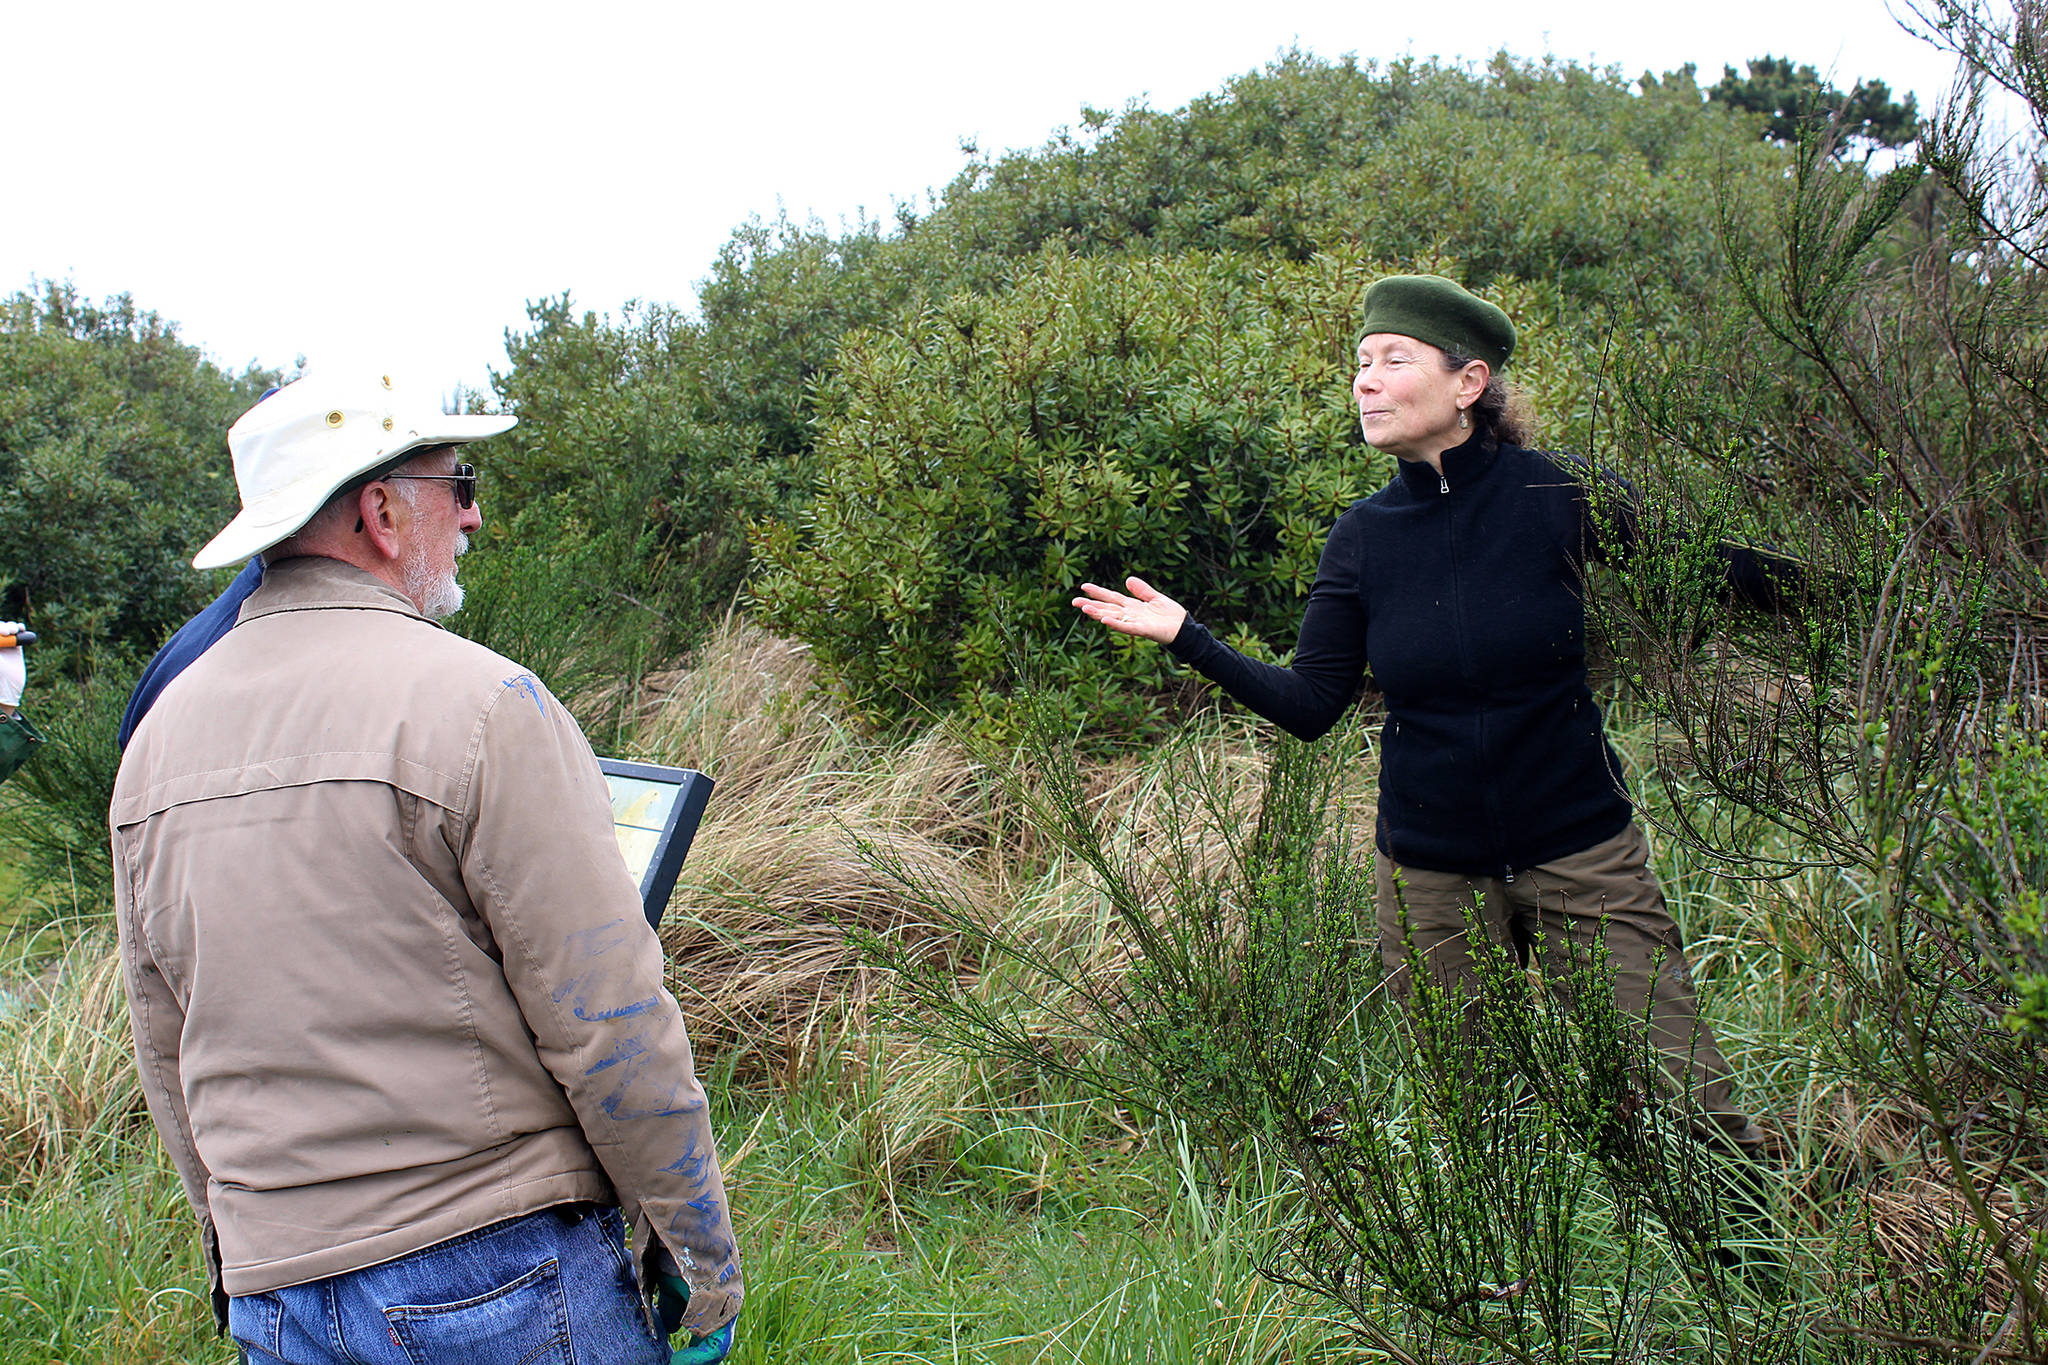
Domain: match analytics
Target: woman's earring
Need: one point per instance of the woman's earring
(1462, 424)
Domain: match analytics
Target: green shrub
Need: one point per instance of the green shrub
(113, 471)
(1536, 168)
(54, 809)
(1173, 418)
(625, 456)
(1992, 866)
(547, 594)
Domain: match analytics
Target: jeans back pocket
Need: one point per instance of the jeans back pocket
(525, 1322)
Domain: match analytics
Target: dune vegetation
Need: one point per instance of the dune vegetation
(1036, 990)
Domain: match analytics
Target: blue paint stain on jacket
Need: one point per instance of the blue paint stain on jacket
(598, 940)
(625, 1050)
(622, 1012)
(630, 1075)
(614, 1104)
(528, 686)
(709, 1213)
(692, 1165)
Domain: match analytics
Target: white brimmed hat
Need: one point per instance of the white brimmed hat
(303, 443)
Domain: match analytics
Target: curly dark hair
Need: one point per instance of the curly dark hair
(1500, 411)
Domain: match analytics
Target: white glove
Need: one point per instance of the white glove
(13, 667)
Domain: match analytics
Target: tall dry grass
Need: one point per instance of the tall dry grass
(809, 815)
(815, 826)
(810, 834)
(67, 1069)
(757, 929)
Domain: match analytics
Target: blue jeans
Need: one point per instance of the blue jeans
(552, 1288)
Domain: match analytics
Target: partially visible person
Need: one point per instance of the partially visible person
(1459, 586)
(398, 1015)
(187, 643)
(18, 738)
(199, 634)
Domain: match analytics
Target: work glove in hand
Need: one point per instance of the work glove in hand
(672, 1297)
(13, 667)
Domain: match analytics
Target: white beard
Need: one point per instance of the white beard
(436, 592)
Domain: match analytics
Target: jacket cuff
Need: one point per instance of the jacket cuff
(1192, 642)
(710, 1306)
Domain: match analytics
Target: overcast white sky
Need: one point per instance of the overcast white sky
(391, 182)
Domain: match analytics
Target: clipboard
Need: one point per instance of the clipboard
(655, 813)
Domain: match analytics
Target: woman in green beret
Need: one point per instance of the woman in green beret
(1459, 586)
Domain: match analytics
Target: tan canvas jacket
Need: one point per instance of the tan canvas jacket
(389, 978)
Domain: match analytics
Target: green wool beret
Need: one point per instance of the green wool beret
(1439, 311)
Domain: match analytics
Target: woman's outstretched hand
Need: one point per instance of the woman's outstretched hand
(1144, 612)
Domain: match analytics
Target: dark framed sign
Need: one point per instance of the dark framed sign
(655, 813)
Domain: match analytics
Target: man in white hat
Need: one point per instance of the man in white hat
(398, 1015)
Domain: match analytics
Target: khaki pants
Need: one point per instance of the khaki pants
(1607, 891)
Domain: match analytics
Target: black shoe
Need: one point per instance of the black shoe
(1749, 1225)
(1760, 1265)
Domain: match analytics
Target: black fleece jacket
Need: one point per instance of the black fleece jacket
(1462, 593)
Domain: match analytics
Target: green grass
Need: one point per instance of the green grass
(892, 1204)
(14, 891)
(100, 1263)
(1041, 1241)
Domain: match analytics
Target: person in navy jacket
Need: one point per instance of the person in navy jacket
(187, 643)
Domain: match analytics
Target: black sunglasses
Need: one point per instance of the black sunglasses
(464, 479)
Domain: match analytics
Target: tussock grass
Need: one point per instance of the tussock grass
(817, 828)
(67, 1065)
(776, 880)
(1922, 1229)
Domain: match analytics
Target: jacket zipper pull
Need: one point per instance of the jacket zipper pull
(1443, 482)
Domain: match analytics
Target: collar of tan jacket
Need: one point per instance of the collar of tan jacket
(313, 583)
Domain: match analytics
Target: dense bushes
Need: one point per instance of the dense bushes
(113, 471)
(624, 461)
(1600, 192)
(1540, 169)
